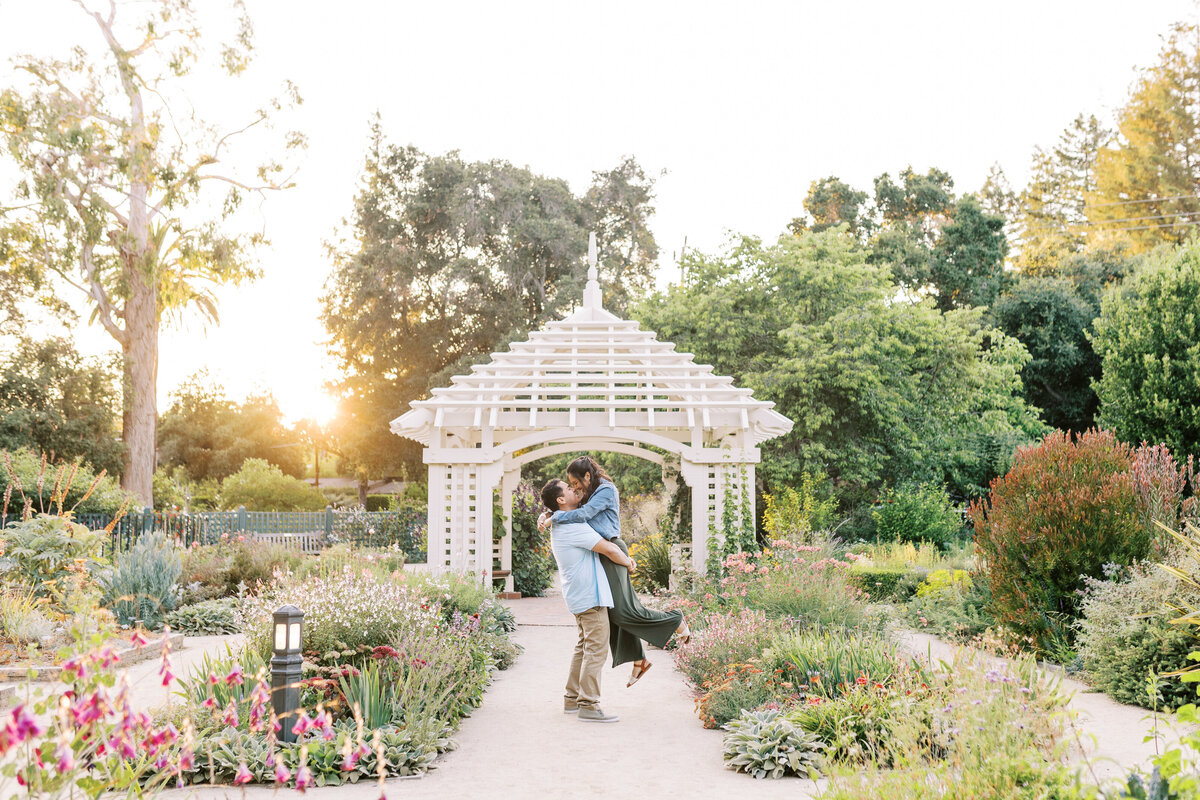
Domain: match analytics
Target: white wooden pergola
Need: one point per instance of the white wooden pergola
(591, 381)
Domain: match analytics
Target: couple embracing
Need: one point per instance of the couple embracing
(583, 513)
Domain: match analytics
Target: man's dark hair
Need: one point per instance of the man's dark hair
(550, 494)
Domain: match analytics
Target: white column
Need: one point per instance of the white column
(696, 476)
(507, 486)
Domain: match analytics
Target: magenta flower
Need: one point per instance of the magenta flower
(303, 723)
(234, 678)
(65, 758)
(137, 639)
(304, 778)
(231, 714)
(282, 773)
(24, 725)
(243, 775)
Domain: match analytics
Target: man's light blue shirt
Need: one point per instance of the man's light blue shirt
(584, 585)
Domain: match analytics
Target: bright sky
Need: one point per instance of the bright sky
(743, 103)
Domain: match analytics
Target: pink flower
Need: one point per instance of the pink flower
(231, 714)
(234, 678)
(65, 757)
(303, 723)
(243, 775)
(24, 725)
(282, 773)
(304, 778)
(137, 639)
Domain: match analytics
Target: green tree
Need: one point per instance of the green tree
(1053, 206)
(450, 260)
(967, 262)
(211, 436)
(1051, 318)
(1051, 313)
(881, 390)
(1148, 340)
(1148, 180)
(831, 202)
(54, 401)
(117, 174)
(262, 486)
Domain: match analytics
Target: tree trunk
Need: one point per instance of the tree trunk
(140, 418)
(362, 492)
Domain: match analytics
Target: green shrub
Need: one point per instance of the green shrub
(921, 513)
(378, 502)
(798, 514)
(209, 618)
(532, 560)
(53, 557)
(1066, 508)
(941, 580)
(206, 570)
(261, 486)
(1125, 635)
(766, 744)
(254, 564)
(960, 611)
(883, 583)
(653, 557)
(142, 583)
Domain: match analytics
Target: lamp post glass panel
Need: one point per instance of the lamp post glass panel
(286, 667)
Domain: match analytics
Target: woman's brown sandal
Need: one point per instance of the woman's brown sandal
(640, 668)
(683, 633)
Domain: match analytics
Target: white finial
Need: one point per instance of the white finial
(591, 294)
(592, 275)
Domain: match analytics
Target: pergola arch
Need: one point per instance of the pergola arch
(591, 381)
(587, 444)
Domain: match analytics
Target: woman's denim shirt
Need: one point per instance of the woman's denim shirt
(601, 511)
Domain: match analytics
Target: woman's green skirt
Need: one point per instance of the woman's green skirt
(629, 621)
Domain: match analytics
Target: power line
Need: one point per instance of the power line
(1113, 221)
(1184, 224)
(1149, 200)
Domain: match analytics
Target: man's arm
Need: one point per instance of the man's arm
(613, 553)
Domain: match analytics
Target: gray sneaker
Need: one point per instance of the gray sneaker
(596, 715)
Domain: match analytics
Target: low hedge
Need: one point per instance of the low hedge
(886, 583)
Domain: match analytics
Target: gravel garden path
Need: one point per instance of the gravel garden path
(519, 744)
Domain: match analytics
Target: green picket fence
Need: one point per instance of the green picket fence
(405, 529)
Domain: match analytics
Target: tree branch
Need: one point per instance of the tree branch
(104, 309)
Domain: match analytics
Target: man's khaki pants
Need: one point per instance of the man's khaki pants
(591, 651)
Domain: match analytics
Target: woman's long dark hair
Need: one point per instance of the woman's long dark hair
(586, 465)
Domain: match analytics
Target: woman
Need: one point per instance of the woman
(629, 621)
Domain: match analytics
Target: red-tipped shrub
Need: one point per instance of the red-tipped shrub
(1066, 508)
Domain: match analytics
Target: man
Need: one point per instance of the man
(577, 549)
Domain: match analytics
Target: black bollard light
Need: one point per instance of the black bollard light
(285, 668)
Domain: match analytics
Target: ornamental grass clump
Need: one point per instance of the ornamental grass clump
(1066, 508)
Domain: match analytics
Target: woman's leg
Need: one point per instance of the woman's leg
(631, 622)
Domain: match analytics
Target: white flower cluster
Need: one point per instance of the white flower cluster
(344, 610)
